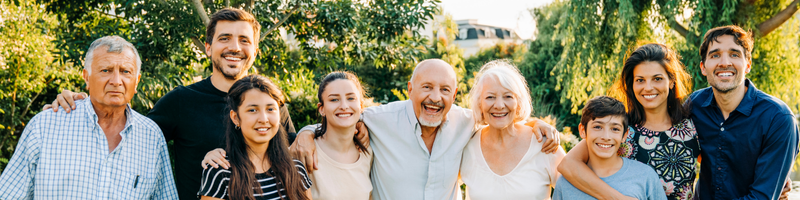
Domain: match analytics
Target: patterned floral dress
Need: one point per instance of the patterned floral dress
(672, 153)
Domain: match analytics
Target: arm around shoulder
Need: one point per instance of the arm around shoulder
(574, 169)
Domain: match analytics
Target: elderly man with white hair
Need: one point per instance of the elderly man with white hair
(104, 150)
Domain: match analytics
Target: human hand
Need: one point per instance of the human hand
(787, 187)
(544, 131)
(215, 158)
(66, 100)
(362, 133)
(304, 149)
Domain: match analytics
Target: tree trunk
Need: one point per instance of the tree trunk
(201, 11)
(776, 21)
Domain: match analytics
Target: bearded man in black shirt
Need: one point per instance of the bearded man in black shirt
(192, 116)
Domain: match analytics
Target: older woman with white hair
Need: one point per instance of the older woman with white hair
(503, 160)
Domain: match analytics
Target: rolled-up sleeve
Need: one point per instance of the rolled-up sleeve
(18, 177)
(776, 158)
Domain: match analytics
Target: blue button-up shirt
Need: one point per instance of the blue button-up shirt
(749, 154)
(65, 156)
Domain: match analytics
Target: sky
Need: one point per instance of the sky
(504, 13)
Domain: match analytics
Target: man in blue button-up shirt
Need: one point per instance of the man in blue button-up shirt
(748, 138)
(105, 150)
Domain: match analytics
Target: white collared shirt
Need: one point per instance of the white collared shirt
(402, 167)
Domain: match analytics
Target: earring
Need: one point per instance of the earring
(237, 126)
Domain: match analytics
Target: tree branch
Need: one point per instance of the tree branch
(679, 28)
(201, 11)
(776, 21)
(248, 6)
(276, 25)
(200, 45)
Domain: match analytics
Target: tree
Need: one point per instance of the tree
(26, 72)
(45, 41)
(597, 35)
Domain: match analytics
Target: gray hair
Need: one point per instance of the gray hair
(115, 44)
(509, 78)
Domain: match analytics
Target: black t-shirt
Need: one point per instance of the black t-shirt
(193, 117)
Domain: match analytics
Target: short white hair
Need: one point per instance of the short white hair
(509, 78)
(115, 44)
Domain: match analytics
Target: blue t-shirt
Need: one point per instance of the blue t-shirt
(634, 179)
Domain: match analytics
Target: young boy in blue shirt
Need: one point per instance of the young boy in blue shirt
(604, 126)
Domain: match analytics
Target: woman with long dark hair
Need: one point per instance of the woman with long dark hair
(344, 162)
(260, 164)
(653, 85)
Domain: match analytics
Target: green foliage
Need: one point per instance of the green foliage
(300, 92)
(26, 69)
(592, 38)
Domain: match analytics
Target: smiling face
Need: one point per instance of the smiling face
(651, 85)
(233, 49)
(603, 135)
(257, 117)
(342, 104)
(113, 79)
(498, 105)
(725, 64)
(432, 91)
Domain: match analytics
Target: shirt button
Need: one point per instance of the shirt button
(719, 168)
(722, 129)
(717, 188)
(720, 148)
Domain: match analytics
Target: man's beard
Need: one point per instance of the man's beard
(231, 75)
(718, 85)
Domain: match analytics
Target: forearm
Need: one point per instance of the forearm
(778, 153)
(573, 167)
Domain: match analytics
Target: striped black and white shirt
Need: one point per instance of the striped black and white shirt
(215, 183)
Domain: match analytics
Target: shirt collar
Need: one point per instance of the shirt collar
(86, 107)
(412, 116)
(745, 106)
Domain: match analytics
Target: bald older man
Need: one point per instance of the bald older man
(104, 150)
(418, 143)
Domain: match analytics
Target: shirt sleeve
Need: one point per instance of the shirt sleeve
(214, 183)
(555, 159)
(779, 149)
(303, 174)
(18, 178)
(656, 189)
(165, 186)
(163, 113)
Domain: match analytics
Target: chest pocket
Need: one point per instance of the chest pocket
(132, 187)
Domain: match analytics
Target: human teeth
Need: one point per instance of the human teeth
(605, 145)
(344, 115)
(263, 129)
(725, 74)
(650, 96)
(499, 115)
(433, 107)
(233, 58)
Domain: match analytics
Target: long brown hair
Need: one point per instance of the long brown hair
(243, 183)
(668, 59)
(338, 75)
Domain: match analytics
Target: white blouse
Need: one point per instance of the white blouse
(530, 179)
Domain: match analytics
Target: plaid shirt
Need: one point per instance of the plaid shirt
(65, 156)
